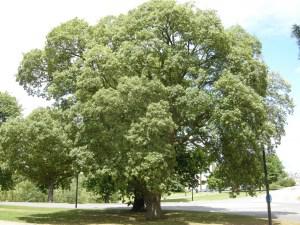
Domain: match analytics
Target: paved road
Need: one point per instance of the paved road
(285, 205)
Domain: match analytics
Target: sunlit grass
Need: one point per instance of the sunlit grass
(201, 196)
(122, 217)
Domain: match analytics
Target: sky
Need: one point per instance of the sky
(25, 24)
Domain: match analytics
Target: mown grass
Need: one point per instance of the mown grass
(122, 217)
(201, 196)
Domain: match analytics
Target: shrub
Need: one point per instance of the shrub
(24, 191)
(287, 182)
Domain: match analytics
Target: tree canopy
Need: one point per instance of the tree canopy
(38, 148)
(163, 81)
(9, 109)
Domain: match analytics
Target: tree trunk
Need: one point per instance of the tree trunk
(200, 182)
(138, 203)
(153, 208)
(50, 192)
(192, 194)
(106, 198)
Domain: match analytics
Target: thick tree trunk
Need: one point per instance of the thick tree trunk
(50, 192)
(153, 208)
(138, 203)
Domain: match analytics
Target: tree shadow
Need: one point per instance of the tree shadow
(125, 216)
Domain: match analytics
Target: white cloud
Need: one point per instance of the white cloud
(271, 17)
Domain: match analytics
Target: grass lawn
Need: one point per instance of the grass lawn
(122, 217)
(201, 196)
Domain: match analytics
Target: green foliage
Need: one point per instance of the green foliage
(6, 179)
(176, 185)
(48, 72)
(239, 118)
(284, 182)
(38, 148)
(102, 183)
(287, 182)
(162, 92)
(26, 191)
(279, 105)
(275, 168)
(9, 108)
(215, 183)
(277, 177)
(190, 164)
(84, 195)
(151, 155)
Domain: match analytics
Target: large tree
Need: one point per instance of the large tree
(9, 109)
(38, 148)
(165, 80)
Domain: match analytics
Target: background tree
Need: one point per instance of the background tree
(9, 109)
(275, 168)
(38, 148)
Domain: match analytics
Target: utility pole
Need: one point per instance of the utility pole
(268, 197)
(76, 194)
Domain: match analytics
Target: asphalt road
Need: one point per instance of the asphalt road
(285, 205)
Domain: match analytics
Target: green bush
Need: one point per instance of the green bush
(24, 191)
(287, 182)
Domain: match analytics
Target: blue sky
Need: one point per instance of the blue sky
(281, 54)
(25, 27)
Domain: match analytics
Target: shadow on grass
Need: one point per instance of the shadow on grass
(86, 217)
